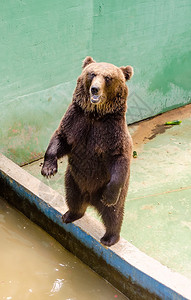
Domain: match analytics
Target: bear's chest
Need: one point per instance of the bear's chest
(93, 138)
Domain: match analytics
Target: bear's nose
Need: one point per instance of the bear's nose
(94, 90)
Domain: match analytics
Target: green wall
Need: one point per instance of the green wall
(43, 43)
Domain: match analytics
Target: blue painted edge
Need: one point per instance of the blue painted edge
(111, 258)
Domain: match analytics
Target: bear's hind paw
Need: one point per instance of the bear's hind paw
(109, 239)
(70, 217)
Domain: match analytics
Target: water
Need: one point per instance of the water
(34, 266)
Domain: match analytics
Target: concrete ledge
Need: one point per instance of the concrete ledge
(134, 273)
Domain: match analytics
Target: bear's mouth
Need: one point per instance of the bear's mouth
(95, 99)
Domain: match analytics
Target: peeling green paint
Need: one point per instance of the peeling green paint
(177, 73)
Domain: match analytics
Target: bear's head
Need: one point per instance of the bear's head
(101, 87)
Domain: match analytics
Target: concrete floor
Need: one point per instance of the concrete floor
(158, 208)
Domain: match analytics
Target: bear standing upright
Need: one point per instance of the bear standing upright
(94, 135)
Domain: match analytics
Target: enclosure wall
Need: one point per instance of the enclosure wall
(43, 43)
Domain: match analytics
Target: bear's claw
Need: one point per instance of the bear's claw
(110, 196)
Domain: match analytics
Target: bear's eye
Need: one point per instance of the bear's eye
(108, 79)
(91, 75)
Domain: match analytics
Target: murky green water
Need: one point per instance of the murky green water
(34, 266)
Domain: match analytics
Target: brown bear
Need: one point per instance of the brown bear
(94, 135)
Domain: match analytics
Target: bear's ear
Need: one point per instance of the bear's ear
(127, 71)
(88, 60)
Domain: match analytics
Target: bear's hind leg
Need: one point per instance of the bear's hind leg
(77, 203)
(112, 217)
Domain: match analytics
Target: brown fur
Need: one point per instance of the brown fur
(93, 134)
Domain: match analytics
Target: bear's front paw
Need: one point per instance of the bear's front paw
(110, 195)
(49, 168)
